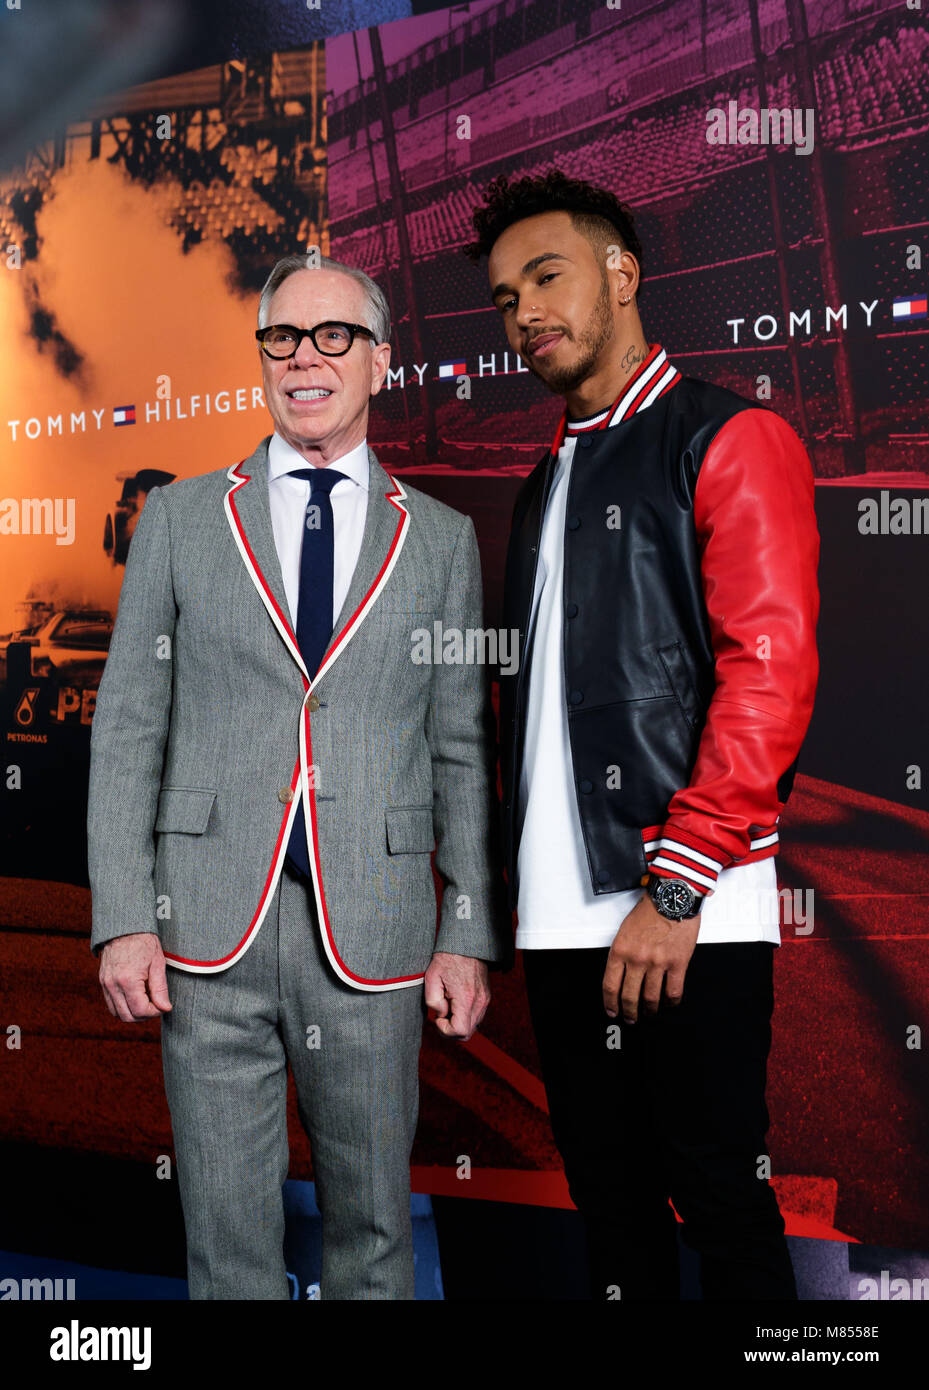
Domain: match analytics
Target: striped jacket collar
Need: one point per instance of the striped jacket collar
(248, 511)
(651, 379)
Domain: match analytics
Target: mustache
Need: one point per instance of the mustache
(546, 334)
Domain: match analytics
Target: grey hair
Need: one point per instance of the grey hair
(377, 311)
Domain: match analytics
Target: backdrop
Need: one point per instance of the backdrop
(146, 196)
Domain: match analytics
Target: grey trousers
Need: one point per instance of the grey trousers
(354, 1056)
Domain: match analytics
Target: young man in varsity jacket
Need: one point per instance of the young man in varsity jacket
(662, 575)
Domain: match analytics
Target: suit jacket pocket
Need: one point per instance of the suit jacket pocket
(410, 830)
(186, 809)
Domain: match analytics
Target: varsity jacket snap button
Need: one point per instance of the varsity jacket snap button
(573, 523)
(576, 697)
(571, 610)
(603, 875)
(286, 795)
(587, 786)
(585, 441)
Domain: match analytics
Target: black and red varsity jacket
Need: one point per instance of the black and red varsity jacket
(690, 606)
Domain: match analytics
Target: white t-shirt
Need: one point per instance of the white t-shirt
(556, 905)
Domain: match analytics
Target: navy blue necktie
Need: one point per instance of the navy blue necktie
(314, 609)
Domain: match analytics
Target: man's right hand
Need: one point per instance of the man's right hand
(133, 977)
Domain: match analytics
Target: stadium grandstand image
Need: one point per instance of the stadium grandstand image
(734, 231)
(246, 164)
(785, 268)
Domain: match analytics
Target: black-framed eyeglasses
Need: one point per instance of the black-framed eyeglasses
(331, 338)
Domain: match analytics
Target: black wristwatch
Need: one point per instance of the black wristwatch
(674, 898)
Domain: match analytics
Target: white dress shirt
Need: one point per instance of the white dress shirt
(556, 905)
(289, 499)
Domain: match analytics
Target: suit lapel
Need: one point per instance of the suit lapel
(248, 510)
(386, 523)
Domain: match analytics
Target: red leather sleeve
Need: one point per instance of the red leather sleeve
(759, 547)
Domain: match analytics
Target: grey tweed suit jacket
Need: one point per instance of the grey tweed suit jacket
(208, 728)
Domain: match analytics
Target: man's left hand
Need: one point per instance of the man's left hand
(645, 949)
(457, 992)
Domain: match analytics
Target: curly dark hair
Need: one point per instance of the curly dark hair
(595, 212)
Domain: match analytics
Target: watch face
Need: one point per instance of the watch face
(674, 899)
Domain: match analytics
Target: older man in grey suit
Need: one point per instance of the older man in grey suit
(271, 766)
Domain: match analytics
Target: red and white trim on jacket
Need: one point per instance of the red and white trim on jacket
(682, 855)
(281, 622)
(651, 380)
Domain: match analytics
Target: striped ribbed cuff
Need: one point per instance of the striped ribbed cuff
(681, 855)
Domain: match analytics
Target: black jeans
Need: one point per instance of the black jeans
(677, 1111)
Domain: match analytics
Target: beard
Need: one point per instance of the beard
(597, 332)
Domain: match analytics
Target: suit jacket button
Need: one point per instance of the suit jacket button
(312, 703)
(286, 795)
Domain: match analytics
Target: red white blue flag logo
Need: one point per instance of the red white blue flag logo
(911, 308)
(453, 369)
(124, 415)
